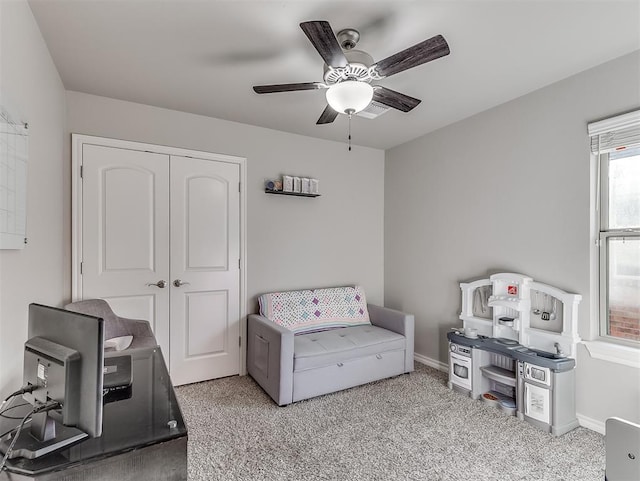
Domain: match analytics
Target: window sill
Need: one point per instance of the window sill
(608, 351)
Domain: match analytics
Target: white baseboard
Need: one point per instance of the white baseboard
(440, 366)
(590, 423)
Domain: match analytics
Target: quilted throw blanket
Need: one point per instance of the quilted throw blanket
(317, 309)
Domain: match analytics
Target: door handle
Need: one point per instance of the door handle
(161, 284)
(179, 283)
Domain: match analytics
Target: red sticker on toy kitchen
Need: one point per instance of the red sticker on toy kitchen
(512, 290)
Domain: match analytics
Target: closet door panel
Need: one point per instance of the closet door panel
(207, 224)
(205, 334)
(127, 245)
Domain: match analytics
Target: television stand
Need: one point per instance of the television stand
(44, 436)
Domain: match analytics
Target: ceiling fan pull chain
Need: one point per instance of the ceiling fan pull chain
(349, 132)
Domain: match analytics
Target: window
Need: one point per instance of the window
(619, 233)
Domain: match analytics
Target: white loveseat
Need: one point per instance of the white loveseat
(308, 343)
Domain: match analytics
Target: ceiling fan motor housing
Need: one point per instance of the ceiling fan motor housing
(356, 69)
(348, 38)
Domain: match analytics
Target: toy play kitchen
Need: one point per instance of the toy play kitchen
(516, 349)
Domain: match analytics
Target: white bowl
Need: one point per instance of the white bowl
(118, 343)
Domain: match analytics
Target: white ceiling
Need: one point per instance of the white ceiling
(204, 56)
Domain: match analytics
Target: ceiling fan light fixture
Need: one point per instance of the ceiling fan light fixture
(349, 96)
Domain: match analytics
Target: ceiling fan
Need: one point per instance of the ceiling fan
(348, 73)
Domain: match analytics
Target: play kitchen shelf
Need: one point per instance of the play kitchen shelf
(521, 357)
(499, 374)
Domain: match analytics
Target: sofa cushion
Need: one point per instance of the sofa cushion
(317, 309)
(318, 349)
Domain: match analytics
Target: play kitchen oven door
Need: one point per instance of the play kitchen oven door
(537, 393)
(460, 366)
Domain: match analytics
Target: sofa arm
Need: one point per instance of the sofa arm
(270, 357)
(396, 321)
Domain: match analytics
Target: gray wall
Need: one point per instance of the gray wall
(507, 190)
(30, 86)
(292, 242)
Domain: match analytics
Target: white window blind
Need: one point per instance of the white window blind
(616, 133)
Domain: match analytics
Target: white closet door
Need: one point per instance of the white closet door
(125, 233)
(205, 273)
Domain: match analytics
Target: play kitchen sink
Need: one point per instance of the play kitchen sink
(517, 355)
(554, 361)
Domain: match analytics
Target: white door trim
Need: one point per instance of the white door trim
(77, 142)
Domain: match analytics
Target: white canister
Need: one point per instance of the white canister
(305, 189)
(287, 183)
(313, 186)
(297, 184)
(470, 332)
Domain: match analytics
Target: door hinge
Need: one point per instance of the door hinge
(239, 185)
(81, 172)
(240, 341)
(238, 263)
(80, 268)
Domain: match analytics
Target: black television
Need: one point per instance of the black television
(64, 360)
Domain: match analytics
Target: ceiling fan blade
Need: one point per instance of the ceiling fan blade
(324, 40)
(394, 99)
(328, 116)
(269, 89)
(420, 53)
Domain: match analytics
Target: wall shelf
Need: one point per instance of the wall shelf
(282, 192)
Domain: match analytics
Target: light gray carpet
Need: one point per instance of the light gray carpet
(411, 427)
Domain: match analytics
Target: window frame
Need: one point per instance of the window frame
(603, 236)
